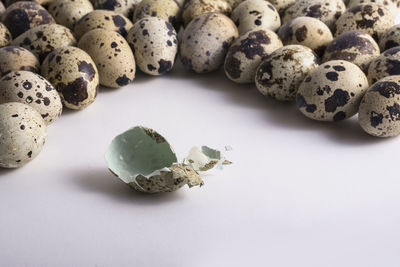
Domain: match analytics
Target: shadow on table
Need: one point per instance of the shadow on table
(4, 172)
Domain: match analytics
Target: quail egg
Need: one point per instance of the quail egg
(281, 73)
(14, 58)
(390, 38)
(32, 89)
(391, 5)
(22, 134)
(252, 14)
(280, 5)
(5, 36)
(105, 19)
(124, 7)
(112, 55)
(369, 18)
(379, 113)
(194, 8)
(356, 47)
(205, 42)
(155, 45)
(22, 16)
(247, 52)
(387, 64)
(74, 75)
(328, 11)
(68, 13)
(332, 92)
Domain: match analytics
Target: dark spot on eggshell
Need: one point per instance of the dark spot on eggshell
(376, 119)
(187, 62)
(341, 115)
(332, 76)
(349, 40)
(339, 99)
(88, 69)
(120, 23)
(339, 68)
(74, 92)
(394, 112)
(386, 88)
(165, 66)
(123, 80)
(302, 103)
(232, 67)
(301, 33)
(313, 11)
(390, 44)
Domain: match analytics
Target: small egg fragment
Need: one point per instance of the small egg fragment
(104, 19)
(113, 57)
(5, 36)
(281, 73)
(332, 92)
(247, 52)
(306, 31)
(356, 47)
(194, 8)
(390, 38)
(379, 113)
(155, 45)
(391, 5)
(68, 13)
(387, 64)
(205, 42)
(74, 75)
(22, 134)
(14, 58)
(252, 14)
(43, 39)
(124, 7)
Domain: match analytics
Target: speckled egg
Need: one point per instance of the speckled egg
(74, 75)
(5, 36)
(68, 13)
(247, 52)
(14, 58)
(22, 134)
(327, 11)
(194, 8)
(112, 55)
(280, 5)
(205, 42)
(390, 38)
(306, 31)
(43, 39)
(281, 73)
(253, 14)
(369, 18)
(24, 15)
(155, 45)
(379, 113)
(356, 47)
(332, 92)
(32, 89)
(104, 19)
(124, 7)
(391, 5)
(387, 64)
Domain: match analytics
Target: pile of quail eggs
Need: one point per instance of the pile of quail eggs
(333, 58)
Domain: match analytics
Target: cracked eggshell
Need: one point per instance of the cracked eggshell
(155, 45)
(356, 47)
(113, 57)
(253, 14)
(387, 64)
(5, 36)
(22, 134)
(104, 19)
(379, 113)
(205, 42)
(369, 18)
(33, 90)
(74, 75)
(332, 92)
(390, 39)
(43, 39)
(392, 5)
(14, 58)
(306, 31)
(22, 16)
(124, 7)
(281, 73)
(327, 11)
(194, 8)
(68, 13)
(247, 52)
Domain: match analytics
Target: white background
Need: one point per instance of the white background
(300, 193)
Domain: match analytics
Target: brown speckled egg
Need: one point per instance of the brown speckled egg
(22, 134)
(113, 57)
(124, 7)
(205, 42)
(32, 89)
(281, 73)
(68, 13)
(356, 47)
(14, 58)
(247, 52)
(253, 14)
(391, 38)
(332, 92)
(391, 5)
(328, 11)
(306, 31)
(194, 8)
(387, 64)
(74, 75)
(379, 113)
(105, 19)
(369, 18)
(43, 39)
(24, 15)
(155, 45)
(5, 36)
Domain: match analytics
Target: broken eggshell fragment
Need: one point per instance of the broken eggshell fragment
(205, 159)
